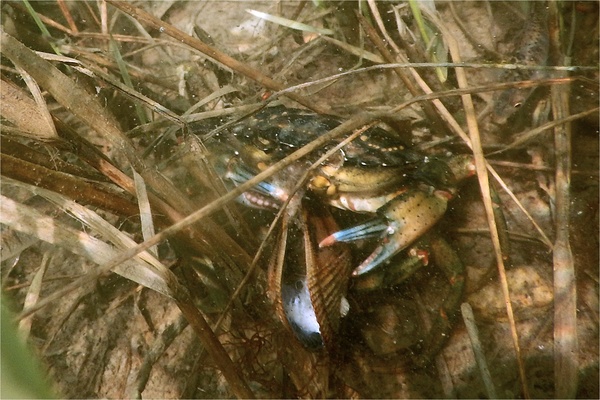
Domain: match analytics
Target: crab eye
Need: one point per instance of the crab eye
(517, 105)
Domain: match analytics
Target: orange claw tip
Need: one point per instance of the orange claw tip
(361, 268)
(328, 241)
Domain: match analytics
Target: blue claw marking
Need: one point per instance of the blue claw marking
(241, 175)
(264, 195)
(367, 230)
(381, 254)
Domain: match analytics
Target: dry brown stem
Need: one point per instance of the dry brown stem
(212, 52)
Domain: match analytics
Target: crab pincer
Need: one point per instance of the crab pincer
(399, 223)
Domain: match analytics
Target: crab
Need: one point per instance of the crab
(404, 193)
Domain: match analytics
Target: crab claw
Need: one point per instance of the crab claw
(367, 230)
(402, 221)
(264, 195)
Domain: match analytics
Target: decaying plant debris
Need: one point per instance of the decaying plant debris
(100, 103)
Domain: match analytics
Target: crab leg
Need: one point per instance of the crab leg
(401, 222)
